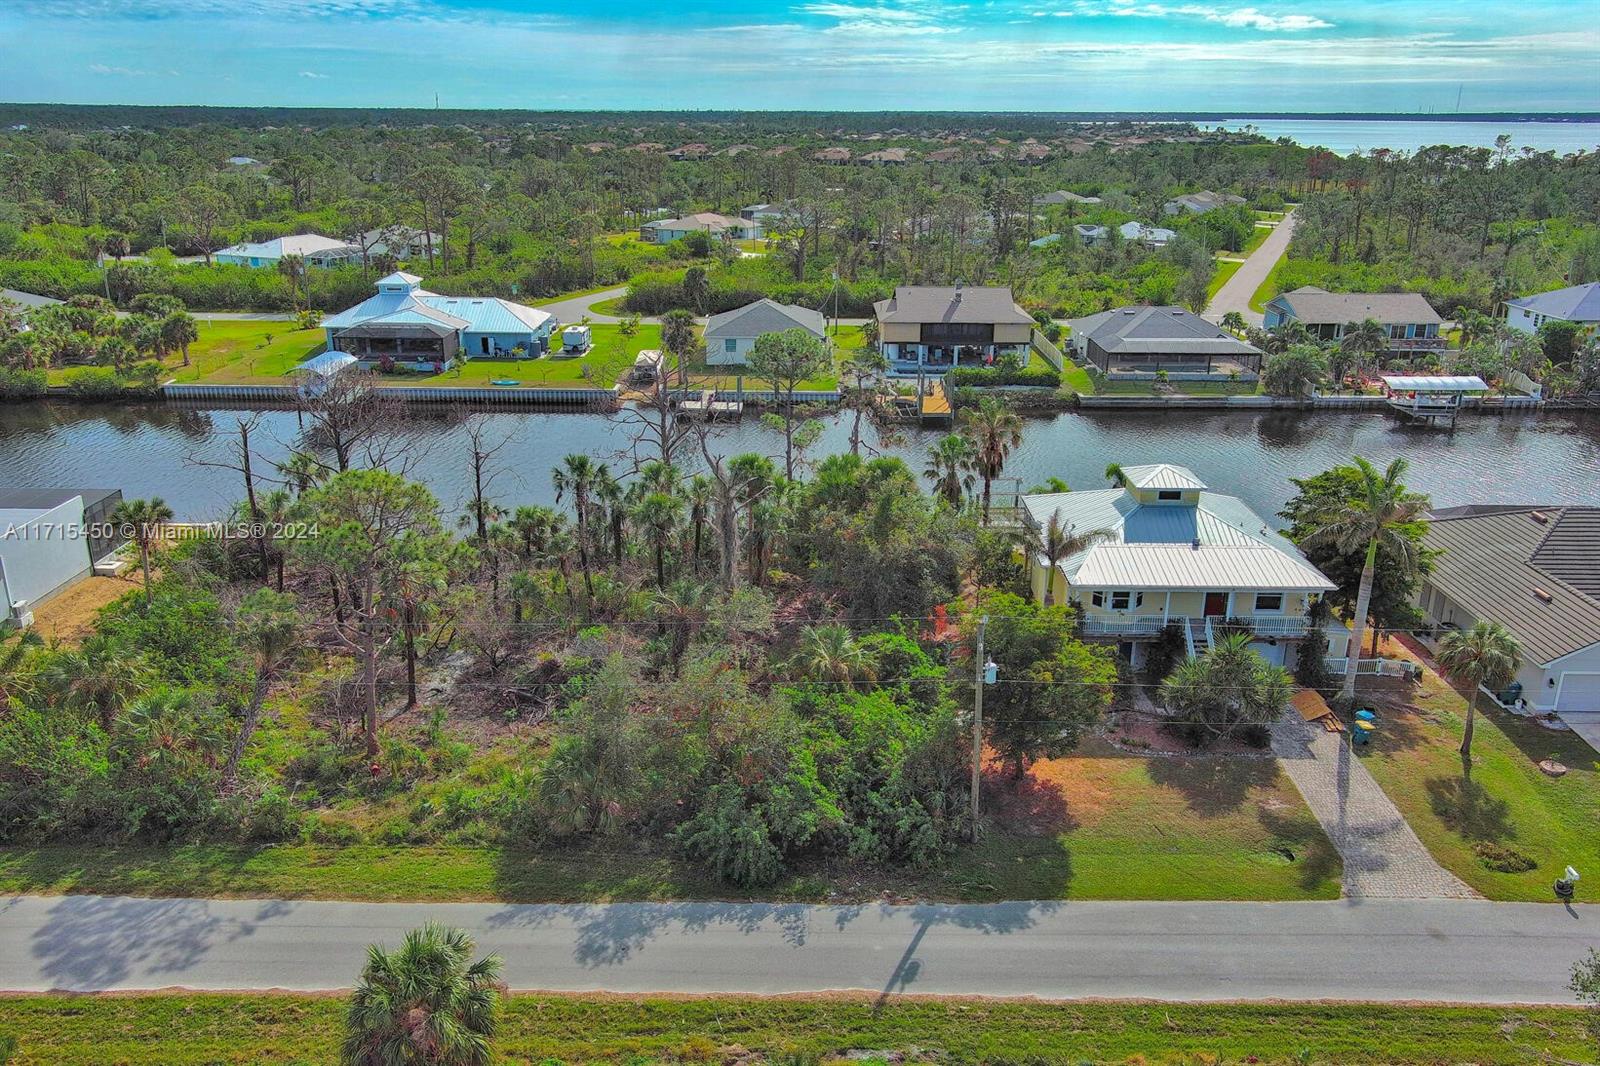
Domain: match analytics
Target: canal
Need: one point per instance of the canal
(162, 450)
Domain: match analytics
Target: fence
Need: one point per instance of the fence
(1048, 351)
(287, 394)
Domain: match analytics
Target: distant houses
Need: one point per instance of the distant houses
(405, 323)
(934, 328)
(1149, 236)
(1150, 339)
(1062, 198)
(1199, 203)
(731, 335)
(314, 248)
(1409, 322)
(1092, 236)
(1578, 304)
(667, 230)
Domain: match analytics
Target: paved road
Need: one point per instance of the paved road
(1236, 291)
(1456, 950)
(1382, 856)
(569, 310)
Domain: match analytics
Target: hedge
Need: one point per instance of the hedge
(22, 384)
(990, 376)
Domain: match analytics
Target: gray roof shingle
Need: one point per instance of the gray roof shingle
(1575, 303)
(764, 316)
(1138, 330)
(1312, 305)
(951, 303)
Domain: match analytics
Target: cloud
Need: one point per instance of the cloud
(877, 20)
(129, 72)
(311, 74)
(1235, 18)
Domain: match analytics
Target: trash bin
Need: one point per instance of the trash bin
(1363, 732)
(1365, 715)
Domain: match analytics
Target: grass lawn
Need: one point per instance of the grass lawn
(1076, 379)
(1506, 802)
(845, 339)
(1186, 388)
(1098, 826)
(193, 1029)
(612, 306)
(1268, 287)
(229, 352)
(1260, 234)
(1225, 270)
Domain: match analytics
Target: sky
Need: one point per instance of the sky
(1026, 55)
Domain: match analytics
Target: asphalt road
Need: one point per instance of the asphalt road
(1466, 951)
(1236, 291)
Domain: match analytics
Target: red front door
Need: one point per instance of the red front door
(1216, 604)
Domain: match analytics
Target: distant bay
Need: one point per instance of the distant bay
(1347, 135)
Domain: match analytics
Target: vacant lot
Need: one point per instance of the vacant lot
(189, 1030)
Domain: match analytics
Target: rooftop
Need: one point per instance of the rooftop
(298, 244)
(1575, 303)
(46, 499)
(1535, 570)
(1162, 476)
(401, 300)
(764, 316)
(952, 303)
(1163, 330)
(1311, 304)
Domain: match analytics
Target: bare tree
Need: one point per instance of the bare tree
(357, 423)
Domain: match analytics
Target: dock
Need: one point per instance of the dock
(706, 405)
(934, 406)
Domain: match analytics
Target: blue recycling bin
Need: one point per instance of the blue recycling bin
(1365, 715)
(1362, 734)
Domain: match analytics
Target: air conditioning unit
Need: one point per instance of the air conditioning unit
(25, 620)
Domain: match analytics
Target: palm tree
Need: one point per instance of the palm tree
(701, 494)
(677, 337)
(1115, 474)
(1373, 520)
(1486, 654)
(178, 330)
(994, 430)
(533, 528)
(613, 498)
(829, 653)
(303, 472)
(16, 661)
(1054, 543)
(1363, 341)
(143, 520)
(682, 607)
(276, 509)
(426, 1003)
(577, 475)
(1234, 323)
(661, 513)
(268, 623)
(99, 677)
(949, 467)
(293, 267)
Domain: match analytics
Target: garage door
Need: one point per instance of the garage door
(1578, 692)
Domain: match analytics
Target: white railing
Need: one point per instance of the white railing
(1211, 637)
(1142, 625)
(1287, 626)
(1373, 667)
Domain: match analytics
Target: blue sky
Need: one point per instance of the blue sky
(1066, 55)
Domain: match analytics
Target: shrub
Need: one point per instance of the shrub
(990, 376)
(1503, 859)
(22, 384)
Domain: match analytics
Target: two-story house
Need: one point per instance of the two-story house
(1578, 304)
(1171, 552)
(932, 328)
(1409, 321)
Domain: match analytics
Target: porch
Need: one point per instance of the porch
(907, 358)
(419, 344)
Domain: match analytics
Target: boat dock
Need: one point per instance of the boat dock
(706, 405)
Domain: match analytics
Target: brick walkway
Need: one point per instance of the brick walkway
(1383, 859)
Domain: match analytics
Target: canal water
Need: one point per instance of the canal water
(161, 450)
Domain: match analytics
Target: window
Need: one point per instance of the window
(730, 345)
(1267, 602)
(1169, 494)
(1121, 601)
(1098, 599)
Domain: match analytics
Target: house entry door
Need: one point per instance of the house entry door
(1216, 604)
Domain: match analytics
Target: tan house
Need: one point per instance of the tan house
(932, 328)
(1175, 553)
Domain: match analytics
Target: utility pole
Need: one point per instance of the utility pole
(979, 679)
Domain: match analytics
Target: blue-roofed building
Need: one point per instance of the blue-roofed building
(406, 323)
(1578, 304)
(1167, 551)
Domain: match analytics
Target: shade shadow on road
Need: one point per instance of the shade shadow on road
(91, 942)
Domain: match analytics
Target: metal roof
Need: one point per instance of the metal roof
(764, 316)
(952, 303)
(49, 499)
(1496, 565)
(28, 299)
(298, 244)
(328, 363)
(1575, 303)
(1162, 476)
(1320, 307)
(1435, 383)
(1185, 567)
(418, 306)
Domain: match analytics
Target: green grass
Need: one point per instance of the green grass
(1225, 270)
(1089, 827)
(613, 306)
(1076, 379)
(1186, 388)
(1506, 802)
(1268, 287)
(191, 1029)
(232, 351)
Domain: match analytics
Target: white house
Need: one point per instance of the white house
(1536, 571)
(49, 539)
(730, 335)
(314, 248)
(666, 230)
(1198, 203)
(1149, 236)
(405, 323)
(1174, 553)
(1578, 304)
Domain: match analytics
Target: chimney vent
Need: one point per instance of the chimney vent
(1195, 544)
(1540, 517)
(1542, 595)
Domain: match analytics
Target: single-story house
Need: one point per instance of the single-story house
(936, 327)
(885, 157)
(1161, 338)
(314, 248)
(1149, 236)
(1062, 197)
(408, 324)
(763, 212)
(1534, 570)
(831, 155)
(1092, 236)
(49, 539)
(27, 300)
(1198, 203)
(1410, 321)
(1046, 241)
(730, 335)
(399, 242)
(1175, 553)
(665, 230)
(1578, 304)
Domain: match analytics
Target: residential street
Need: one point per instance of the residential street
(1433, 950)
(1236, 291)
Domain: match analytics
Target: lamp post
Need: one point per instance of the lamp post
(984, 673)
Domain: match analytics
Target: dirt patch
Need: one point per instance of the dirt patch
(1140, 733)
(68, 617)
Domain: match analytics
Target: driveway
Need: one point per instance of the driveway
(1434, 950)
(1236, 291)
(1383, 859)
(1586, 724)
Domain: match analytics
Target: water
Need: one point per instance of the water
(1345, 136)
(158, 450)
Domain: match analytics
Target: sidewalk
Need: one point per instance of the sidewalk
(1383, 859)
